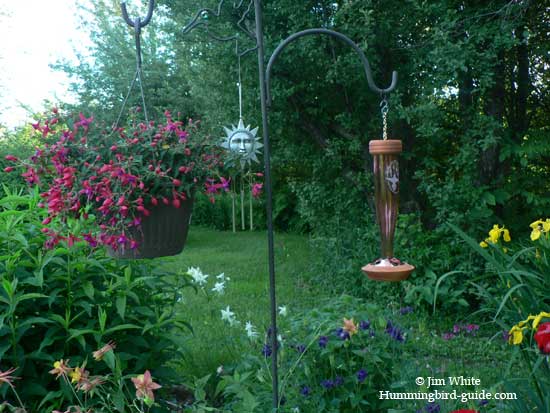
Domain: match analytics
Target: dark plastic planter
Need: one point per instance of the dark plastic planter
(163, 233)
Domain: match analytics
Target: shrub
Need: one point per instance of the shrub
(65, 303)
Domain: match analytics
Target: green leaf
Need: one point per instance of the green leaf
(110, 361)
(121, 327)
(88, 288)
(121, 306)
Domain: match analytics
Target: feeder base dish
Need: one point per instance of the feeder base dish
(384, 270)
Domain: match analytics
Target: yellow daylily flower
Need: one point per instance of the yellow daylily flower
(516, 335)
(536, 319)
(494, 234)
(546, 225)
(483, 244)
(506, 235)
(535, 234)
(536, 224)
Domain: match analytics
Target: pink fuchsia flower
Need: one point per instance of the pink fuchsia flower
(11, 158)
(84, 122)
(8, 169)
(6, 377)
(144, 386)
(257, 189)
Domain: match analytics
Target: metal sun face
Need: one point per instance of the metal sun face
(242, 142)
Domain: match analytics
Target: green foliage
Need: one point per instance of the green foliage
(65, 303)
(322, 368)
(515, 286)
(515, 282)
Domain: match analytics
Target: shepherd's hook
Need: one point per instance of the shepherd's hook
(138, 24)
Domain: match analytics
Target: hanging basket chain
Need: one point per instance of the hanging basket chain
(137, 24)
(384, 108)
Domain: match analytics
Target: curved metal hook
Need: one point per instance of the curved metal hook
(340, 36)
(195, 22)
(138, 23)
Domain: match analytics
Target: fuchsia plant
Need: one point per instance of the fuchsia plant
(118, 176)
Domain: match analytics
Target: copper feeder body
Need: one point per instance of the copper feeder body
(386, 192)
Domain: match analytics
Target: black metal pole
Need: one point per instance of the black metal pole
(269, 203)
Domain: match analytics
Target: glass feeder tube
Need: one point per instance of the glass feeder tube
(386, 192)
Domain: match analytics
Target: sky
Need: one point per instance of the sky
(34, 34)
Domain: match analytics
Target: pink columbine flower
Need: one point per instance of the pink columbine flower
(6, 377)
(144, 386)
(98, 355)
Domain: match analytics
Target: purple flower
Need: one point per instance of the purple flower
(364, 324)
(394, 332)
(456, 329)
(472, 328)
(323, 341)
(327, 384)
(483, 402)
(305, 390)
(342, 334)
(406, 310)
(448, 336)
(505, 335)
(300, 348)
(266, 350)
(432, 408)
(338, 381)
(362, 375)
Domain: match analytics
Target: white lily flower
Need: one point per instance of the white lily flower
(283, 311)
(197, 275)
(229, 316)
(219, 287)
(250, 331)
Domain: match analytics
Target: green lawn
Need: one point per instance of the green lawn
(242, 256)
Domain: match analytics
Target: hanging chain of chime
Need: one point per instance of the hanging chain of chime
(384, 108)
(239, 74)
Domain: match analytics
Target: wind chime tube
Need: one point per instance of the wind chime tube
(386, 189)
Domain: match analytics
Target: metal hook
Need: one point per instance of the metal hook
(138, 22)
(340, 36)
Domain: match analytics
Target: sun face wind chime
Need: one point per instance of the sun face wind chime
(385, 154)
(243, 146)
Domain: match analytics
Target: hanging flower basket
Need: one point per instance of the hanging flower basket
(163, 233)
(130, 189)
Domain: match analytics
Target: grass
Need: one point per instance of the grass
(242, 256)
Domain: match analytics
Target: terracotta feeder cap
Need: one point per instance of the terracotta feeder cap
(385, 147)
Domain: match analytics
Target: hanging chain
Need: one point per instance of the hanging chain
(384, 108)
(239, 73)
(137, 24)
